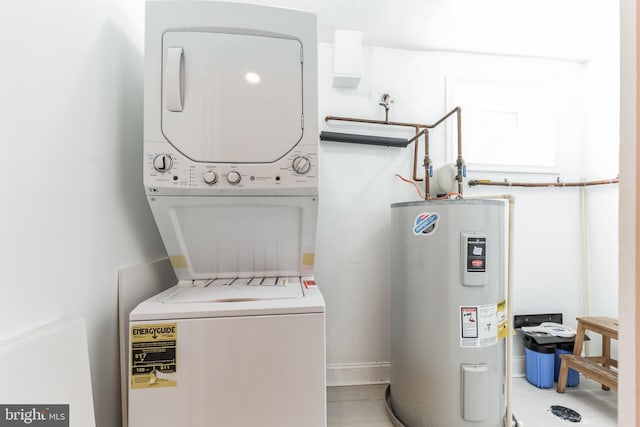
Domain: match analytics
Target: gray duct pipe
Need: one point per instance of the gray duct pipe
(364, 139)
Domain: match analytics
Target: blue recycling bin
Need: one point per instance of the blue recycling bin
(539, 360)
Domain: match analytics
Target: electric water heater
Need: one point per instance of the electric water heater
(448, 313)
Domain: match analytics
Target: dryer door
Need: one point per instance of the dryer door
(231, 98)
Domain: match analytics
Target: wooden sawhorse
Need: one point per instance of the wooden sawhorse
(596, 368)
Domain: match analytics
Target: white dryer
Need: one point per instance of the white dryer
(230, 173)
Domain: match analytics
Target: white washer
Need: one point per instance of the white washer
(236, 362)
(230, 173)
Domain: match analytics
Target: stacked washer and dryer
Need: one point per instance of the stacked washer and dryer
(231, 176)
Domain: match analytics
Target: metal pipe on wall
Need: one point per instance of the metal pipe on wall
(505, 183)
(427, 167)
(425, 127)
(415, 159)
(374, 122)
(460, 161)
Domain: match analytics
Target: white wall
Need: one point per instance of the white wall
(602, 161)
(358, 184)
(73, 208)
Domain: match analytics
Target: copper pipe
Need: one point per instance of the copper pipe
(405, 124)
(424, 127)
(416, 139)
(505, 183)
(459, 161)
(427, 164)
(445, 117)
(415, 158)
(375, 122)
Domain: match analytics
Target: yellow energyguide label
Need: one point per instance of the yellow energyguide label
(503, 322)
(153, 355)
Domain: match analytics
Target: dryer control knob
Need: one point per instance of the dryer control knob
(234, 177)
(162, 163)
(210, 177)
(301, 165)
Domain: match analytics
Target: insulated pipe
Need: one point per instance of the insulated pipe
(512, 202)
(364, 139)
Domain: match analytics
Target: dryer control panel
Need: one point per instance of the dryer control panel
(170, 172)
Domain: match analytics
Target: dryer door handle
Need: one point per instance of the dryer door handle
(173, 80)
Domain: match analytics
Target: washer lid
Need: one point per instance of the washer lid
(239, 290)
(157, 309)
(231, 98)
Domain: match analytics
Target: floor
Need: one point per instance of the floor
(359, 406)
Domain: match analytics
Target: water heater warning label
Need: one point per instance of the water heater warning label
(478, 326)
(476, 254)
(469, 322)
(153, 355)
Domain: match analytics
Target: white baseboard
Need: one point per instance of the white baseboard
(518, 367)
(346, 374)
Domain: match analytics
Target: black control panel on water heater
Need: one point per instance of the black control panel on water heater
(476, 254)
(473, 259)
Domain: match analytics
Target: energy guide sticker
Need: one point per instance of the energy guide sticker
(503, 323)
(153, 355)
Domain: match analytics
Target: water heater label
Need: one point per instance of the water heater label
(478, 326)
(426, 224)
(469, 319)
(503, 323)
(477, 254)
(473, 259)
